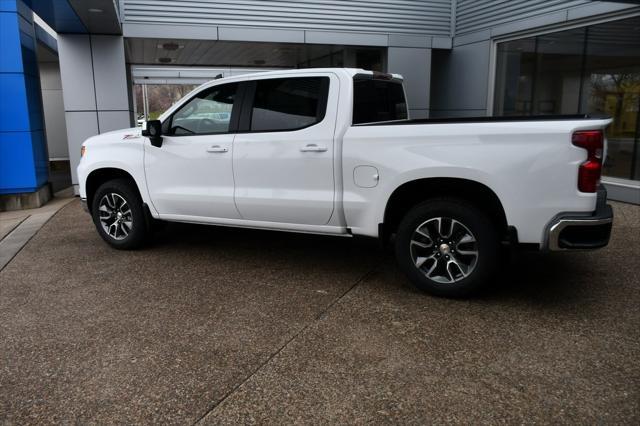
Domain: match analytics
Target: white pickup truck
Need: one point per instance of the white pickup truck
(333, 151)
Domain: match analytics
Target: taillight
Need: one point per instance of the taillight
(590, 171)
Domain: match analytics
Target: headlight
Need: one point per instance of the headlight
(83, 149)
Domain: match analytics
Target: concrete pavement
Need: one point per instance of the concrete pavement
(226, 326)
(18, 226)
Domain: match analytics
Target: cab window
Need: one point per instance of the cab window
(284, 104)
(208, 112)
(378, 100)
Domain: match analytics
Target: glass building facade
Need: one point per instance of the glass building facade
(593, 69)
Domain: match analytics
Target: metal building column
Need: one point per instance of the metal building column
(94, 88)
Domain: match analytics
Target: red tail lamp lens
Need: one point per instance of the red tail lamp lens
(591, 170)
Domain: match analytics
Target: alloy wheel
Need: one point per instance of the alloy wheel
(115, 216)
(444, 250)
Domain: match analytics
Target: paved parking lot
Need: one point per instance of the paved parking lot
(217, 326)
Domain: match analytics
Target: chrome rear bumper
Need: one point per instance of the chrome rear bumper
(576, 231)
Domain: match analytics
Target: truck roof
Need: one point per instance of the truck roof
(351, 72)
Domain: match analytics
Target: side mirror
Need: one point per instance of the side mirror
(153, 131)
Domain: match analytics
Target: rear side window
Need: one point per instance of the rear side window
(378, 100)
(289, 103)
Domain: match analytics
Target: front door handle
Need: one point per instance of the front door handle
(217, 148)
(312, 147)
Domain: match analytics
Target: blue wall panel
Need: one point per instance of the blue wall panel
(17, 168)
(8, 6)
(23, 148)
(14, 108)
(34, 97)
(11, 58)
(59, 15)
(40, 157)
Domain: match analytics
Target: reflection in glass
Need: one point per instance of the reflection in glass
(151, 100)
(515, 69)
(593, 70)
(206, 113)
(612, 86)
(558, 65)
(287, 103)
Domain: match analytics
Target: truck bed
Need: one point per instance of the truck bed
(508, 118)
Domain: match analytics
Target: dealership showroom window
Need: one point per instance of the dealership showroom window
(593, 69)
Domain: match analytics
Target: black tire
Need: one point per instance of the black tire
(479, 268)
(118, 190)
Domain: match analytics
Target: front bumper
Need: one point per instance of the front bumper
(575, 231)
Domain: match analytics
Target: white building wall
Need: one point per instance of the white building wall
(425, 17)
(477, 15)
(414, 64)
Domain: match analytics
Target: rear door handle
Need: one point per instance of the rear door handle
(217, 148)
(312, 147)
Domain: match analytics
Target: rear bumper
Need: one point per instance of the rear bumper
(575, 231)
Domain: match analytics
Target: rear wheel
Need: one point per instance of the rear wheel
(118, 214)
(447, 247)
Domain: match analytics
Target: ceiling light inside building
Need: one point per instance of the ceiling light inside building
(170, 46)
(94, 10)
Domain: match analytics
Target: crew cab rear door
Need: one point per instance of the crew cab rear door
(283, 154)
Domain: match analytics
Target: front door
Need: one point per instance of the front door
(283, 155)
(190, 175)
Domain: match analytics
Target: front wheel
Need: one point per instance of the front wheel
(447, 247)
(118, 214)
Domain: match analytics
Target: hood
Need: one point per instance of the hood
(133, 133)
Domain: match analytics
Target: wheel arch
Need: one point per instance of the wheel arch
(411, 193)
(99, 176)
